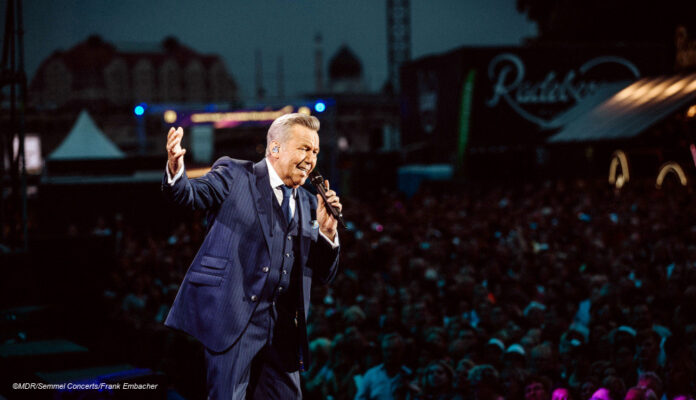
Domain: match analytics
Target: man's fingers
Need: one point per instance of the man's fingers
(174, 133)
(179, 154)
(336, 203)
(174, 150)
(333, 199)
(174, 138)
(322, 206)
(173, 142)
(338, 206)
(169, 138)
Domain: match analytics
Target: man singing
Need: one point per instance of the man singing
(246, 294)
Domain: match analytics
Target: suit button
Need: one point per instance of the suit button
(285, 272)
(265, 269)
(287, 255)
(289, 237)
(253, 297)
(280, 288)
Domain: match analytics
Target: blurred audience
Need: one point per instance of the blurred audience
(559, 290)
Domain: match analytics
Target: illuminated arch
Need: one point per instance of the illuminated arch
(619, 159)
(670, 167)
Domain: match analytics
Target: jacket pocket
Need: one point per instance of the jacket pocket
(199, 278)
(213, 262)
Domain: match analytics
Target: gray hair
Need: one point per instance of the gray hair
(281, 126)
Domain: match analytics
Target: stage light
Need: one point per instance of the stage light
(319, 106)
(239, 116)
(170, 116)
(691, 112)
(139, 110)
(675, 87)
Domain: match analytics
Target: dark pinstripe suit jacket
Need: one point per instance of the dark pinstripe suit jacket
(214, 302)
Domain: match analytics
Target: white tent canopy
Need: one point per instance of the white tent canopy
(86, 141)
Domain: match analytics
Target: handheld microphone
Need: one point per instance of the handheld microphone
(318, 182)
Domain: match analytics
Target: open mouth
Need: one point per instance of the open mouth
(305, 169)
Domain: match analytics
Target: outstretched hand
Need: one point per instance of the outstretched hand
(175, 154)
(327, 223)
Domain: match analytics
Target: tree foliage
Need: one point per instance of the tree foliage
(609, 20)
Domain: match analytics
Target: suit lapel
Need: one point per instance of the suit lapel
(263, 195)
(305, 226)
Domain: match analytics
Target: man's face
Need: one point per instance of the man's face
(648, 349)
(560, 394)
(437, 376)
(535, 391)
(297, 157)
(392, 351)
(641, 317)
(634, 394)
(601, 394)
(469, 338)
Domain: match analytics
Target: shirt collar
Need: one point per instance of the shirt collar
(274, 178)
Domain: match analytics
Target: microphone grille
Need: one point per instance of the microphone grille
(315, 177)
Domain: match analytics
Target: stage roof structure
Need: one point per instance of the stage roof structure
(631, 110)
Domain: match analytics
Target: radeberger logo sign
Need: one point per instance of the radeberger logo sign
(560, 90)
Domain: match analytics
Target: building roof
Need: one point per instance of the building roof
(88, 59)
(345, 64)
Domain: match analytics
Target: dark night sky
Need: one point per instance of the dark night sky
(235, 29)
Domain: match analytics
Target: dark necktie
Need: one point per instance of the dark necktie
(287, 192)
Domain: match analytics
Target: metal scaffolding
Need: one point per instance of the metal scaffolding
(13, 174)
(398, 38)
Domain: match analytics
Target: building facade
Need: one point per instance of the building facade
(98, 73)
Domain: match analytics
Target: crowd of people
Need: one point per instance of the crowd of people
(548, 290)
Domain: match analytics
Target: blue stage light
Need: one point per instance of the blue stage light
(139, 110)
(319, 106)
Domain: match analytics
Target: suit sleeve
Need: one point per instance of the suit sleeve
(323, 259)
(334, 243)
(203, 193)
(323, 255)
